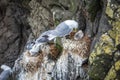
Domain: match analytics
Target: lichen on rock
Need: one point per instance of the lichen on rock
(104, 59)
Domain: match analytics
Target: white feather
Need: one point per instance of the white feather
(5, 67)
(71, 23)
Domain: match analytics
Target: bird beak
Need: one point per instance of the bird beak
(75, 29)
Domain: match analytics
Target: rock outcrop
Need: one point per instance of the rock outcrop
(105, 58)
(14, 31)
(68, 64)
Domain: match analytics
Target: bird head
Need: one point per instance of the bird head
(72, 24)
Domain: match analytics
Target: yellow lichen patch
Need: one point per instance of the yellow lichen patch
(108, 50)
(113, 71)
(105, 38)
(111, 74)
(92, 56)
(112, 33)
(115, 32)
(105, 46)
(117, 39)
(95, 53)
(117, 65)
(109, 11)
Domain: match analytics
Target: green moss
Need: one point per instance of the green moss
(94, 7)
(59, 44)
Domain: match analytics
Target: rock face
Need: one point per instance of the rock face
(46, 14)
(99, 19)
(68, 64)
(105, 58)
(14, 31)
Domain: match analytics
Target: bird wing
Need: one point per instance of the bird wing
(46, 36)
(62, 30)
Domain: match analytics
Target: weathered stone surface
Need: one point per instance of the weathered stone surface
(14, 31)
(104, 59)
(46, 14)
(99, 19)
(68, 64)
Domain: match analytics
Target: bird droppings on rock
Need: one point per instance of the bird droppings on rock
(31, 63)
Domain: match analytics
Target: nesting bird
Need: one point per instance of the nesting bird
(7, 71)
(35, 49)
(63, 29)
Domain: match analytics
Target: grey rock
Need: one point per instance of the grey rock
(13, 33)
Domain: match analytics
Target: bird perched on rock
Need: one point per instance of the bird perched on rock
(63, 29)
(46, 37)
(35, 49)
(7, 71)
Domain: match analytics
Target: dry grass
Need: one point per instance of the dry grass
(54, 52)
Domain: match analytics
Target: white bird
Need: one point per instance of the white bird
(79, 35)
(63, 29)
(35, 49)
(46, 37)
(7, 71)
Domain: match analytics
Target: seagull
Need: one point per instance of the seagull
(35, 49)
(7, 71)
(29, 45)
(65, 28)
(46, 37)
(79, 35)
(62, 30)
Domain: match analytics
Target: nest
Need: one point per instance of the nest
(31, 63)
(80, 47)
(55, 51)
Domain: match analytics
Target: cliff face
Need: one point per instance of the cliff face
(50, 65)
(23, 21)
(14, 31)
(105, 58)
